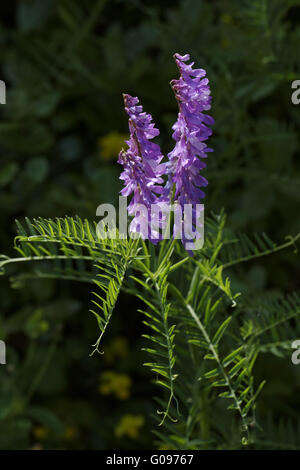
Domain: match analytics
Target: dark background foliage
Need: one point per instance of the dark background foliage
(66, 64)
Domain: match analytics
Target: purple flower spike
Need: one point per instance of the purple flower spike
(190, 132)
(142, 167)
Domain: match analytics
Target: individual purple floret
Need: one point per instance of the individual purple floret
(190, 131)
(142, 169)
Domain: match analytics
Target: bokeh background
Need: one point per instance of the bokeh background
(66, 64)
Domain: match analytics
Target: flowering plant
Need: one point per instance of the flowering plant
(143, 169)
(202, 337)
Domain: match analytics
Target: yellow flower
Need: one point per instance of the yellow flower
(225, 43)
(71, 433)
(117, 348)
(120, 346)
(40, 432)
(129, 425)
(111, 144)
(226, 18)
(113, 383)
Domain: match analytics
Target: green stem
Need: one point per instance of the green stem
(218, 361)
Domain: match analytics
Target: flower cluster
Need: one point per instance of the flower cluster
(129, 426)
(143, 169)
(191, 129)
(113, 383)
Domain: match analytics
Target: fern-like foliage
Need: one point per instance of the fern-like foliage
(77, 252)
(155, 292)
(110, 278)
(273, 322)
(230, 372)
(233, 249)
(67, 243)
(277, 434)
(203, 338)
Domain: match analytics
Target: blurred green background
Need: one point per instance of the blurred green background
(66, 64)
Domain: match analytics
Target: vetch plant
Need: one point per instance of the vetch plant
(202, 338)
(143, 169)
(190, 132)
